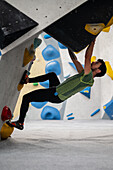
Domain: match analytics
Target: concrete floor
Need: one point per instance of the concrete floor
(59, 145)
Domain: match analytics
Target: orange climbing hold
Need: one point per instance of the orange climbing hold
(6, 131)
(28, 55)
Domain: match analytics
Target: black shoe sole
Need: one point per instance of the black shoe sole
(20, 128)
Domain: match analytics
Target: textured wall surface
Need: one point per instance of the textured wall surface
(11, 68)
(11, 72)
(11, 61)
(44, 12)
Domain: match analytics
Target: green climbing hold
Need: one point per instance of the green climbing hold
(37, 42)
(35, 84)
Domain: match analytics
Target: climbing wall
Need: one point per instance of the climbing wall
(50, 56)
(93, 102)
(87, 104)
(12, 69)
(105, 46)
(96, 102)
(18, 31)
(83, 104)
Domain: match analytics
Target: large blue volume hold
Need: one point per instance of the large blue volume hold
(50, 53)
(53, 66)
(38, 105)
(50, 113)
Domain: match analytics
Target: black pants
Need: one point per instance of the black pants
(40, 95)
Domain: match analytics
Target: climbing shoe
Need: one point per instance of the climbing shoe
(24, 77)
(16, 124)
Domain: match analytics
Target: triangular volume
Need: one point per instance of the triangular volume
(13, 24)
(86, 92)
(94, 28)
(70, 29)
(109, 109)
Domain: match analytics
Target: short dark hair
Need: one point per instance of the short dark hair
(102, 68)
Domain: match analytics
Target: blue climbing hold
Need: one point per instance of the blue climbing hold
(47, 36)
(70, 118)
(38, 105)
(53, 66)
(95, 112)
(45, 84)
(62, 46)
(56, 94)
(86, 92)
(72, 64)
(50, 53)
(83, 65)
(67, 76)
(50, 113)
(70, 114)
(109, 109)
(37, 42)
(0, 53)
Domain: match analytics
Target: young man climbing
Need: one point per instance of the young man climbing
(59, 92)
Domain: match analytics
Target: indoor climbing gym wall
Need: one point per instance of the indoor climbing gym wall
(47, 60)
(34, 42)
(91, 103)
(19, 29)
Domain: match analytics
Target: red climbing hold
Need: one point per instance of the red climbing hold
(6, 113)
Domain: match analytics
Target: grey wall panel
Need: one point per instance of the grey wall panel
(11, 71)
(44, 12)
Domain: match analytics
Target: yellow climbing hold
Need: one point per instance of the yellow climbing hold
(109, 69)
(93, 59)
(104, 107)
(86, 91)
(110, 22)
(94, 28)
(106, 29)
(6, 131)
(28, 55)
(20, 86)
